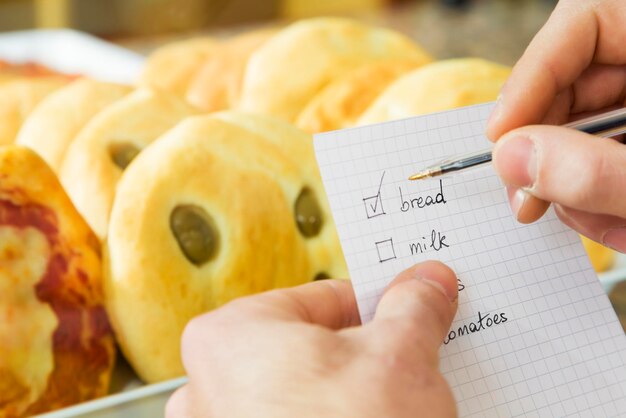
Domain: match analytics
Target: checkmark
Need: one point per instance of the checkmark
(375, 208)
(376, 204)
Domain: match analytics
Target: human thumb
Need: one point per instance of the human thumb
(418, 306)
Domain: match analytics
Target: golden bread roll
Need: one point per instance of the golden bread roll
(29, 70)
(287, 71)
(98, 155)
(18, 98)
(217, 84)
(5, 78)
(439, 86)
(55, 122)
(174, 65)
(601, 257)
(221, 206)
(56, 344)
(341, 103)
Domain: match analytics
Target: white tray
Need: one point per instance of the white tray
(146, 401)
(72, 52)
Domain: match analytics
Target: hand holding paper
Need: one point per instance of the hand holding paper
(535, 334)
(308, 360)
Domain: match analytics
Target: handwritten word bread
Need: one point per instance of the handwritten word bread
(18, 98)
(103, 149)
(288, 70)
(439, 86)
(221, 206)
(55, 122)
(342, 102)
(56, 344)
(171, 67)
(217, 83)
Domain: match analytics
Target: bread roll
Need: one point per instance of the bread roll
(56, 344)
(287, 71)
(341, 103)
(6, 77)
(55, 122)
(439, 86)
(18, 98)
(217, 84)
(107, 144)
(173, 66)
(219, 207)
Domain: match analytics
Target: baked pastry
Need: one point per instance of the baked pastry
(6, 77)
(56, 344)
(287, 71)
(221, 206)
(18, 98)
(217, 84)
(341, 103)
(107, 144)
(439, 86)
(173, 66)
(28, 70)
(55, 122)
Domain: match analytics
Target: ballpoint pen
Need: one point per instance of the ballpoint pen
(605, 125)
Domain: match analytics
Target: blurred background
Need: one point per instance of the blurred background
(494, 29)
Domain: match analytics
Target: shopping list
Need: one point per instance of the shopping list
(535, 334)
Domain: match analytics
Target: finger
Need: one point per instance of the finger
(416, 310)
(576, 34)
(559, 112)
(609, 231)
(178, 405)
(598, 87)
(564, 166)
(525, 207)
(330, 303)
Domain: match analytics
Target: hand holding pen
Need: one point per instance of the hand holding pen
(607, 125)
(575, 66)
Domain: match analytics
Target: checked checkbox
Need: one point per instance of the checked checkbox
(374, 204)
(385, 250)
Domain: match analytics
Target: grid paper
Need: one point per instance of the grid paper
(561, 350)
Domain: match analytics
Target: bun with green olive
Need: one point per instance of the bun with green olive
(107, 144)
(221, 206)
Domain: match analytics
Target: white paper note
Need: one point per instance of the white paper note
(534, 335)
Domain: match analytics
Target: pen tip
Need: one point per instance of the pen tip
(420, 175)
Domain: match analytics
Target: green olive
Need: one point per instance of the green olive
(195, 233)
(308, 213)
(122, 153)
(321, 276)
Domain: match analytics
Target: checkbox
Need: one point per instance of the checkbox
(385, 250)
(373, 206)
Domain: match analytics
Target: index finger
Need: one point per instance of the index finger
(577, 34)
